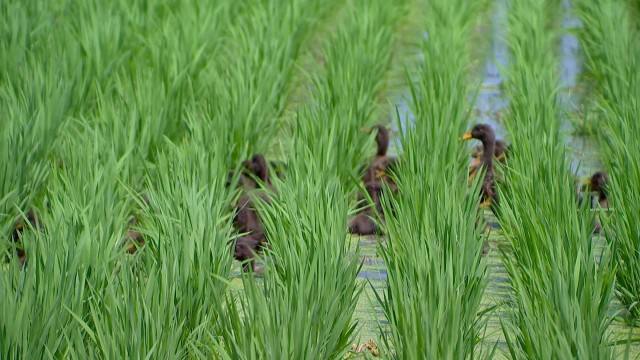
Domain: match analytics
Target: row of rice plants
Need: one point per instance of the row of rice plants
(186, 192)
(167, 299)
(610, 41)
(436, 277)
(304, 306)
(77, 273)
(560, 293)
(89, 60)
(254, 79)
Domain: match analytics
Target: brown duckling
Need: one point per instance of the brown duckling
(246, 219)
(20, 224)
(378, 169)
(486, 135)
(257, 166)
(133, 239)
(30, 220)
(246, 249)
(363, 223)
(597, 183)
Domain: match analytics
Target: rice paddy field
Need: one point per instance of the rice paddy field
(138, 219)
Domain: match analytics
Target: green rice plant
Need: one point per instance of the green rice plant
(81, 296)
(128, 74)
(433, 257)
(344, 94)
(83, 223)
(611, 46)
(33, 113)
(303, 307)
(167, 298)
(436, 277)
(252, 81)
(561, 293)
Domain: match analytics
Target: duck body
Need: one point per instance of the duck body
(485, 134)
(245, 251)
(133, 239)
(30, 220)
(378, 169)
(597, 184)
(364, 222)
(375, 178)
(246, 219)
(254, 182)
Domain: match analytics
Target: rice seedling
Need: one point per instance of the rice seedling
(561, 294)
(611, 45)
(433, 253)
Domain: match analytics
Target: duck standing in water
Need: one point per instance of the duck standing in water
(382, 163)
(257, 166)
(486, 135)
(364, 222)
(133, 239)
(597, 183)
(246, 220)
(30, 220)
(375, 177)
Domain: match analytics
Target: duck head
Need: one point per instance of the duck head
(382, 140)
(257, 166)
(598, 183)
(486, 135)
(20, 224)
(482, 132)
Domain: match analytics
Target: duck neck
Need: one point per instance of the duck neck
(262, 171)
(263, 174)
(382, 148)
(602, 196)
(383, 141)
(489, 146)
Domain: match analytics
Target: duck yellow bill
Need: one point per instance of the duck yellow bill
(586, 182)
(467, 136)
(365, 129)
